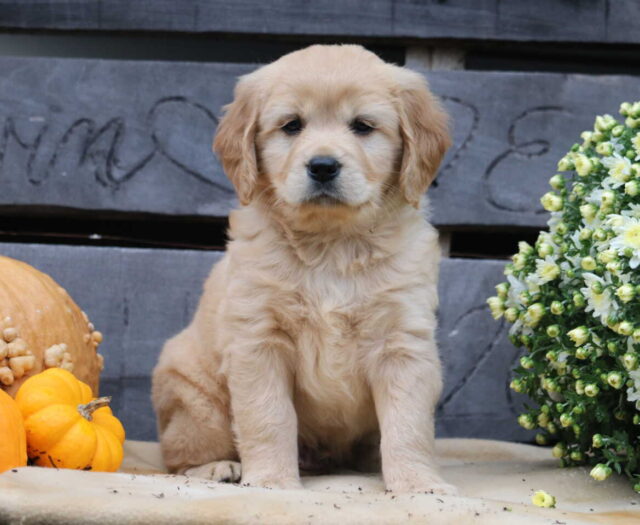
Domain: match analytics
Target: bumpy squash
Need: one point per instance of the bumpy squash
(13, 442)
(66, 426)
(42, 327)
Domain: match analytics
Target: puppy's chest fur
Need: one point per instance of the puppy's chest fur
(339, 305)
(326, 320)
(338, 324)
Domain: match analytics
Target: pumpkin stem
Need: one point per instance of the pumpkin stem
(89, 408)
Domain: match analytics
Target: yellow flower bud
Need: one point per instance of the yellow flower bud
(558, 450)
(608, 198)
(614, 379)
(526, 421)
(544, 249)
(588, 211)
(591, 390)
(625, 328)
(604, 122)
(605, 149)
(543, 499)
(579, 335)
(525, 248)
(536, 311)
(526, 362)
(543, 420)
(630, 361)
(566, 420)
(600, 472)
(557, 182)
(519, 261)
(625, 293)
(625, 108)
(511, 314)
(565, 164)
(588, 263)
(496, 305)
(632, 188)
(582, 165)
(607, 256)
(632, 122)
(556, 308)
(551, 202)
(502, 290)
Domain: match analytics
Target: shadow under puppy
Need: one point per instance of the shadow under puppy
(315, 335)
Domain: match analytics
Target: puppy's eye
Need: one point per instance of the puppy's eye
(360, 127)
(293, 127)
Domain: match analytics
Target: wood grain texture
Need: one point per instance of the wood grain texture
(139, 298)
(117, 136)
(521, 20)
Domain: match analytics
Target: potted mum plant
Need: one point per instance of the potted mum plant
(574, 301)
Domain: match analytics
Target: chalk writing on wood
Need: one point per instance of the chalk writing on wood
(38, 150)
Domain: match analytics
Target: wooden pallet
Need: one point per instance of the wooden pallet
(97, 142)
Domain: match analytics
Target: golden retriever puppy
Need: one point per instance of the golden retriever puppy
(315, 335)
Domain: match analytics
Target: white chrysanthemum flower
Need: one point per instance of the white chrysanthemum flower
(595, 197)
(633, 392)
(532, 283)
(556, 217)
(619, 170)
(618, 146)
(546, 270)
(516, 287)
(635, 141)
(601, 304)
(627, 240)
(517, 327)
(632, 211)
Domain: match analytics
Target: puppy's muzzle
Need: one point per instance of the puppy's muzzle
(323, 169)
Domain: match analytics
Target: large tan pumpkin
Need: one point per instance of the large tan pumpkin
(42, 327)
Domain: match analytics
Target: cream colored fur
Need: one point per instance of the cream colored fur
(315, 334)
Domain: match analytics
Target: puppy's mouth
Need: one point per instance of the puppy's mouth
(325, 196)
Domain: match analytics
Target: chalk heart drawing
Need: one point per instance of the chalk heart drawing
(464, 123)
(183, 132)
(113, 150)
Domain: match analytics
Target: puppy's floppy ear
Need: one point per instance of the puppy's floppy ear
(235, 141)
(425, 134)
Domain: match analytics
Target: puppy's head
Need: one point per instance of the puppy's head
(332, 127)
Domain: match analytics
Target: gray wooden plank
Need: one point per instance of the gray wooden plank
(140, 297)
(510, 130)
(104, 135)
(522, 20)
(118, 136)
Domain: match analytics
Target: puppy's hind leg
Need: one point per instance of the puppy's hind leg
(192, 407)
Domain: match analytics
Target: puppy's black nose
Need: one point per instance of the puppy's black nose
(323, 169)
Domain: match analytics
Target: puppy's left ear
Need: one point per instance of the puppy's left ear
(424, 127)
(235, 141)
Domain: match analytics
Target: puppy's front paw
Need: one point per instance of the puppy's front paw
(423, 485)
(272, 482)
(223, 471)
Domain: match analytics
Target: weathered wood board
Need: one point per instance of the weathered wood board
(139, 297)
(114, 136)
(543, 20)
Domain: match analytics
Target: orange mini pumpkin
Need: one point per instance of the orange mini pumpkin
(13, 442)
(66, 426)
(42, 327)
